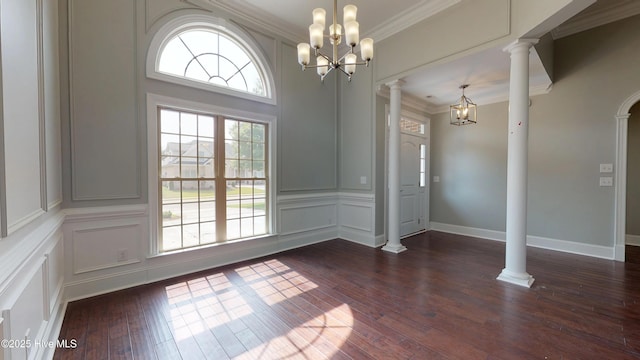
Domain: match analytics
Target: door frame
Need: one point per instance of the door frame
(620, 210)
(427, 126)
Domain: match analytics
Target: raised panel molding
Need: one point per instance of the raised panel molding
(42, 129)
(54, 260)
(24, 310)
(305, 213)
(103, 93)
(21, 116)
(357, 219)
(2, 350)
(96, 247)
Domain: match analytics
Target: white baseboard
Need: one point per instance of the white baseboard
(632, 240)
(572, 247)
(358, 238)
(469, 231)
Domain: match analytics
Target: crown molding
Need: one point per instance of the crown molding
(408, 100)
(253, 15)
(277, 26)
(409, 17)
(593, 17)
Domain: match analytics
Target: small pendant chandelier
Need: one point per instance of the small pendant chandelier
(348, 62)
(465, 111)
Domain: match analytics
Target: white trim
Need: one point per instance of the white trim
(25, 220)
(572, 247)
(360, 227)
(179, 24)
(409, 100)
(617, 10)
(42, 135)
(54, 204)
(632, 240)
(620, 215)
(254, 16)
(104, 213)
(409, 17)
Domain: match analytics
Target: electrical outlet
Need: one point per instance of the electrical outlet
(606, 168)
(606, 181)
(122, 255)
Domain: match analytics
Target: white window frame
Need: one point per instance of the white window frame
(155, 101)
(195, 21)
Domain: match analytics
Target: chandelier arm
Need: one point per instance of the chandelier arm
(344, 72)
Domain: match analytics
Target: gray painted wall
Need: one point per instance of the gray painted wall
(471, 163)
(380, 158)
(633, 172)
(572, 131)
(357, 131)
(104, 89)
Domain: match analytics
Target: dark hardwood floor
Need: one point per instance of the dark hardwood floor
(339, 300)
(632, 254)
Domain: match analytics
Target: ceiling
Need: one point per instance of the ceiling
(437, 86)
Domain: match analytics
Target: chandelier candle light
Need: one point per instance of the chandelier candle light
(348, 62)
(465, 111)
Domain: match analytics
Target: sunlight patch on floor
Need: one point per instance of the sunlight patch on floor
(227, 303)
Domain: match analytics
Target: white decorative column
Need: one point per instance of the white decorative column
(393, 209)
(515, 270)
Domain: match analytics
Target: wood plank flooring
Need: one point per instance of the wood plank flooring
(339, 300)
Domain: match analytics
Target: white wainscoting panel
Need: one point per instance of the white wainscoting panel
(97, 247)
(2, 350)
(357, 218)
(55, 272)
(24, 311)
(572, 247)
(31, 277)
(97, 237)
(93, 236)
(307, 214)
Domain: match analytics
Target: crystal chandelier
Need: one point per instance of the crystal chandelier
(465, 111)
(348, 62)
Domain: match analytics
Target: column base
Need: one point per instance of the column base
(396, 249)
(521, 279)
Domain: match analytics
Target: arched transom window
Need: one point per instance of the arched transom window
(211, 54)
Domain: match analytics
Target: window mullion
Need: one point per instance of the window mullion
(221, 183)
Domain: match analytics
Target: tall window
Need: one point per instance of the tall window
(213, 179)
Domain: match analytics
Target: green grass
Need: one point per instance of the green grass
(207, 193)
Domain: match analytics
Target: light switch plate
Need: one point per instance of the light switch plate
(436, 179)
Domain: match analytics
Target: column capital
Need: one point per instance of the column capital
(397, 84)
(520, 44)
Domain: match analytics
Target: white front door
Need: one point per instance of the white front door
(414, 205)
